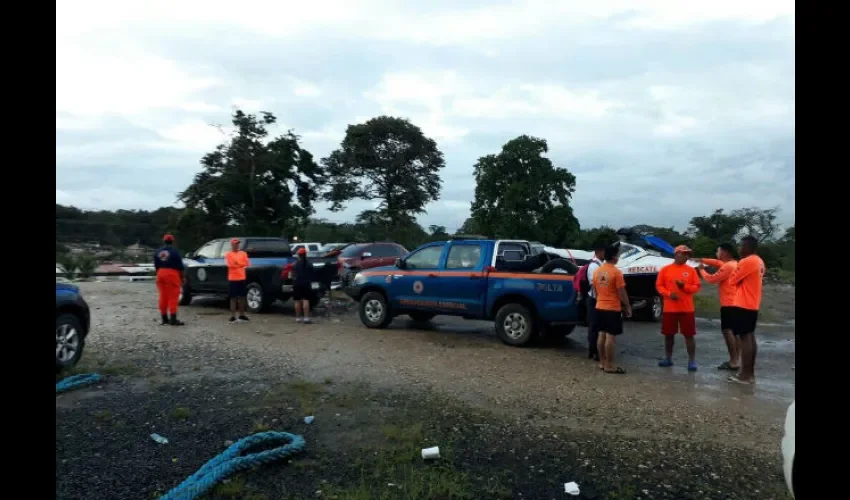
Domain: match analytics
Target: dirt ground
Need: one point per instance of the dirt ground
(510, 422)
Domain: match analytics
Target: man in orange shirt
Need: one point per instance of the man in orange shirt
(747, 280)
(237, 261)
(677, 283)
(725, 264)
(612, 303)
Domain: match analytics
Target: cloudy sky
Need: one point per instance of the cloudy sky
(663, 109)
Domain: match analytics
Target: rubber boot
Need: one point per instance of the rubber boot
(165, 320)
(175, 321)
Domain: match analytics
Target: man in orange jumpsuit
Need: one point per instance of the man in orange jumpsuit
(677, 283)
(725, 264)
(748, 280)
(169, 279)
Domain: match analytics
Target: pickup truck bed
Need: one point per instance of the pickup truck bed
(468, 278)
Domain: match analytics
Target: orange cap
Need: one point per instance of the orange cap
(302, 251)
(234, 241)
(682, 249)
(168, 237)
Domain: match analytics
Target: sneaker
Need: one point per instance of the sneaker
(692, 366)
(308, 320)
(232, 320)
(244, 318)
(299, 320)
(664, 363)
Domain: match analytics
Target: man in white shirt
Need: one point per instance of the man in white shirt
(592, 331)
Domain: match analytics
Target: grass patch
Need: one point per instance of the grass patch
(707, 306)
(260, 427)
(103, 416)
(181, 413)
(624, 492)
(307, 394)
(230, 488)
(91, 363)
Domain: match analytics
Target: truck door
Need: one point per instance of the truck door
(217, 268)
(462, 286)
(199, 272)
(416, 287)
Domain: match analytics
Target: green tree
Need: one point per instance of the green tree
(587, 238)
(719, 227)
(758, 222)
(469, 226)
(386, 159)
(86, 264)
(263, 186)
(704, 247)
(519, 193)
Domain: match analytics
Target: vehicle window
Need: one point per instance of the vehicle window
(463, 257)
(427, 258)
(384, 251)
(352, 251)
(210, 250)
(512, 251)
(627, 250)
(513, 255)
(313, 248)
(223, 248)
(267, 248)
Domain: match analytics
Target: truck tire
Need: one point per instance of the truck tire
(559, 266)
(651, 312)
(374, 311)
(256, 300)
(69, 333)
(420, 316)
(185, 295)
(515, 325)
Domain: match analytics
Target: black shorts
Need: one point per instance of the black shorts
(301, 292)
(237, 289)
(591, 315)
(744, 321)
(610, 322)
(727, 318)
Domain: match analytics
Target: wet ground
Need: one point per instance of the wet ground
(519, 421)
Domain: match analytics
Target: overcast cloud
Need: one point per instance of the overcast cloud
(662, 109)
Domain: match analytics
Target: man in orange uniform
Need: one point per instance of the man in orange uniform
(677, 283)
(725, 264)
(237, 261)
(169, 279)
(611, 303)
(747, 280)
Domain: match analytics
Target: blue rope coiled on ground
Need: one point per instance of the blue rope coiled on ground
(75, 381)
(230, 461)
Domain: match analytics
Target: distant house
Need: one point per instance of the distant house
(138, 250)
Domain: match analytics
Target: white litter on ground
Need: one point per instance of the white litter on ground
(571, 488)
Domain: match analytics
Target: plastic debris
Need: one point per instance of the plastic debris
(431, 453)
(159, 439)
(309, 419)
(571, 488)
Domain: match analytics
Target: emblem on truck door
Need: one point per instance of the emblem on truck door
(202, 275)
(417, 287)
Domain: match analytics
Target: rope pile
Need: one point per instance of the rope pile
(76, 381)
(231, 460)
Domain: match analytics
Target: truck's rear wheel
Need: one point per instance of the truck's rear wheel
(651, 312)
(515, 325)
(374, 311)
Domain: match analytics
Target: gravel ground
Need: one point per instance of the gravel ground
(512, 423)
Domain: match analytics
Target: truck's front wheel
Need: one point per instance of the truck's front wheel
(256, 300)
(374, 311)
(515, 325)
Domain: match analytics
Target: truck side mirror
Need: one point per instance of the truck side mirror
(399, 263)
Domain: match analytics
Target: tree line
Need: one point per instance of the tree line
(256, 184)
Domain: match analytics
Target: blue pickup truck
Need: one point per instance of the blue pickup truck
(476, 279)
(268, 276)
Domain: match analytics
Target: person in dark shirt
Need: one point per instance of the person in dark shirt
(169, 279)
(301, 286)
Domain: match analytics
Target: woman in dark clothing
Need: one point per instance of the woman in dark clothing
(301, 290)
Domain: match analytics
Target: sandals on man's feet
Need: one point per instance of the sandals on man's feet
(616, 371)
(735, 380)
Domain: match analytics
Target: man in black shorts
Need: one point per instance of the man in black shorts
(237, 261)
(747, 279)
(612, 303)
(302, 282)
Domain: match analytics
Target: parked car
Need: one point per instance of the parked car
(268, 276)
(329, 247)
(310, 247)
(473, 279)
(788, 441)
(73, 321)
(359, 256)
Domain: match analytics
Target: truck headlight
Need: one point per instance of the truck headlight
(359, 279)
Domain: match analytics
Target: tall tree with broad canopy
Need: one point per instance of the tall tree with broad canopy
(387, 159)
(519, 193)
(263, 186)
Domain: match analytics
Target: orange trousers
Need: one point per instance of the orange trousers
(168, 283)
